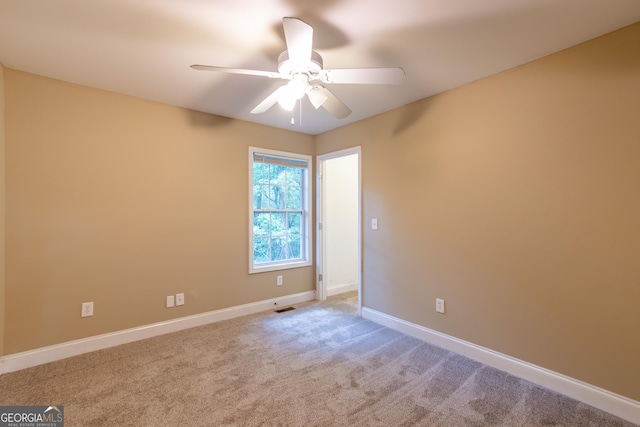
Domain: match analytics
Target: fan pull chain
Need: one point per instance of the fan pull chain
(293, 121)
(292, 113)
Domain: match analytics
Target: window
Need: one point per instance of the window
(280, 226)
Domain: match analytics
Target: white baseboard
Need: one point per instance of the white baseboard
(341, 288)
(597, 397)
(39, 356)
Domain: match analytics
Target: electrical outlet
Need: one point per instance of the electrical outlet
(170, 301)
(87, 309)
(279, 281)
(179, 299)
(440, 305)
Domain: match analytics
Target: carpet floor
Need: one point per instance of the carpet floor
(317, 365)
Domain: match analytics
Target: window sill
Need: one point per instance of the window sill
(276, 267)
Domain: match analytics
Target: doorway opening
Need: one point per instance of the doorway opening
(338, 242)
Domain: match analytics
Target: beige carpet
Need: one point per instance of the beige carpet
(317, 365)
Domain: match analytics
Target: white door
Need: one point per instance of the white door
(339, 223)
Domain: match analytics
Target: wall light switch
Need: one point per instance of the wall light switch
(170, 301)
(374, 223)
(180, 299)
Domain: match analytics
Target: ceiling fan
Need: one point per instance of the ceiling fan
(302, 66)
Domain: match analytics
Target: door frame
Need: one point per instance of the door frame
(321, 290)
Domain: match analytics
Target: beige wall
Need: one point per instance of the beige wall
(122, 202)
(2, 211)
(516, 199)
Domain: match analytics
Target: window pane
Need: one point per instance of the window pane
(261, 223)
(260, 173)
(261, 251)
(261, 197)
(295, 248)
(278, 174)
(294, 198)
(294, 219)
(268, 171)
(278, 248)
(294, 177)
(277, 197)
(278, 224)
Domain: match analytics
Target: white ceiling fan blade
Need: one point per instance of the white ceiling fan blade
(269, 101)
(299, 37)
(270, 74)
(367, 76)
(316, 96)
(333, 105)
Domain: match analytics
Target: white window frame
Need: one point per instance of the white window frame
(306, 225)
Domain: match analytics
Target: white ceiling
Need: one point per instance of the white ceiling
(143, 48)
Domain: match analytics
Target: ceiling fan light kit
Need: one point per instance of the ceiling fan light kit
(293, 91)
(303, 67)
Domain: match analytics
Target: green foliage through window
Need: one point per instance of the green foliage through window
(278, 209)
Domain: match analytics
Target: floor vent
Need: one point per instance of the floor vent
(282, 310)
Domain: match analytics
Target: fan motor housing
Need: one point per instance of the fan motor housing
(289, 67)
